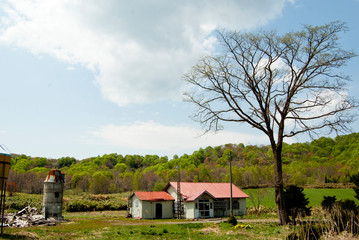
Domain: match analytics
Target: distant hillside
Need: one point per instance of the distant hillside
(321, 161)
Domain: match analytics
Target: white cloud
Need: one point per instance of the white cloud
(162, 139)
(138, 50)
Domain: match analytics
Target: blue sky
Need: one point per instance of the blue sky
(87, 78)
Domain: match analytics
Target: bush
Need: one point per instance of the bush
(295, 202)
(94, 203)
(83, 203)
(307, 231)
(343, 216)
(232, 220)
(355, 179)
(20, 201)
(328, 203)
(348, 205)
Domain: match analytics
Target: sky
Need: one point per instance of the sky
(86, 78)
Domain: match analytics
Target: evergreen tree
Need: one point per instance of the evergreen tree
(295, 202)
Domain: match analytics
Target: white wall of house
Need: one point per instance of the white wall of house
(171, 190)
(192, 209)
(204, 199)
(136, 207)
(189, 209)
(242, 208)
(167, 208)
(147, 209)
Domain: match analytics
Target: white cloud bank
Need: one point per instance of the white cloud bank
(138, 50)
(152, 137)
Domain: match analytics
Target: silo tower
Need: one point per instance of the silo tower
(53, 194)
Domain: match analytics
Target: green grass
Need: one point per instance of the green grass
(315, 196)
(113, 225)
(267, 200)
(72, 202)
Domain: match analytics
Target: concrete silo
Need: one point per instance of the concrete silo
(53, 194)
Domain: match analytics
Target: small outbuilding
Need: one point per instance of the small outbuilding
(149, 205)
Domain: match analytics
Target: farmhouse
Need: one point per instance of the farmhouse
(197, 200)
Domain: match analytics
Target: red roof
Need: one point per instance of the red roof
(154, 196)
(191, 191)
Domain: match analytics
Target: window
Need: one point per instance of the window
(235, 204)
(57, 194)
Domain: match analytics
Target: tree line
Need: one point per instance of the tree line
(324, 160)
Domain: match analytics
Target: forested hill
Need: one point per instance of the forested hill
(318, 162)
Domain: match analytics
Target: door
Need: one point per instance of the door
(158, 210)
(204, 208)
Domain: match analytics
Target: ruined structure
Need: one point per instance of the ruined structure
(53, 195)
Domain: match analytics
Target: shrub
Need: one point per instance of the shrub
(355, 179)
(20, 201)
(307, 231)
(348, 205)
(328, 203)
(94, 203)
(295, 202)
(343, 216)
(232, 220)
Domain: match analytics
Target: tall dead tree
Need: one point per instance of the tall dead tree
(282, 85)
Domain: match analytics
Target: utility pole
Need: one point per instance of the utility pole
(179, 197)
(230, 177)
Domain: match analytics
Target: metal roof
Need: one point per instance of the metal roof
(191, 191)
(154, 196)
(55, 176)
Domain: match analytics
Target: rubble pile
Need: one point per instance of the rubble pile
(28, 217)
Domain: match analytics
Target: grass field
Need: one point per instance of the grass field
(114, 225)
(315, 196)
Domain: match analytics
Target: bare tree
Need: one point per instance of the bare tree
(256, 196)
(283, 85)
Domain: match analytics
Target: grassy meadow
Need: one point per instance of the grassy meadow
(114, 224)
(314, 195)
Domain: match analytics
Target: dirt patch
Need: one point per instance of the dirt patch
(211, 229)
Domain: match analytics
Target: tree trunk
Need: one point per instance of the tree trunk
(279, 187)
